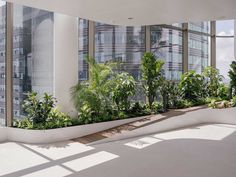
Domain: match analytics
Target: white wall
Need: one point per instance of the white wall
(235, 39)
(65, 60)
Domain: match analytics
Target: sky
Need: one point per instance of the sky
(2, 3)
(224, 46)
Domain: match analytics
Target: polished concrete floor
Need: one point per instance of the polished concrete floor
(200, 151)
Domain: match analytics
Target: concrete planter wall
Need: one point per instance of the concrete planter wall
(187, 119)
(60, 134)
(203, 116)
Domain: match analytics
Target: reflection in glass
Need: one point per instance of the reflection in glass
(83, 49)
(120, 44)
(203, 27)
(32, 54)
(166, 44)
(2, 61)
(199, 52)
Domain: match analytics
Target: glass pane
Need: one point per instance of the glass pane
(119, 43)
(199, 52)
(225, 28)
(32, 54)
(2, 61)
(203, 27)
(167, 45)
(180, 25)
(83, 49)
(224, 55)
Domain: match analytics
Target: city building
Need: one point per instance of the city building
(128, 44)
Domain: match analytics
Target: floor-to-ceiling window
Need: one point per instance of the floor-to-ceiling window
(224, 46)
(83, 49)
(32, 54)
(166, 44)
(121, 44)
(2, 61)
(199, 46)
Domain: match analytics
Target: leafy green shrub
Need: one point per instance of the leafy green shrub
(92, 99)
(123, 86)
(25, 123)
(234, 101)
(151, 73)
(158, 107)
(42, 114)
(213, 81)
(223, 92)
(38, 110)
(192, 86)
(213, 104)
(232, 75)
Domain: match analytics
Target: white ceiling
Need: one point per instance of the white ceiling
(142, 12)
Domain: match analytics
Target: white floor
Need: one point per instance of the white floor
(205, 132)
(66, 158)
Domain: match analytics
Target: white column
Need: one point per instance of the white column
(65, 60)
(235, 39)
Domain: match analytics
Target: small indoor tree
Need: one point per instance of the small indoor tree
(232, 75)
(151, 73)
(92, 98)
(213, 81)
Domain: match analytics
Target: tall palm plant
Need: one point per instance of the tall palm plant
(92, 97)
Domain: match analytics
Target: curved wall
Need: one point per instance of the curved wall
(203, 116)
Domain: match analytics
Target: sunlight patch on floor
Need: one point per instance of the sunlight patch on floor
(205, 132)
(143, 142)
(90, 161)
(55, 171)
(14, 157)
(60, 150)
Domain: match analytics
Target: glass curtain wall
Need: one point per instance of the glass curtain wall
(199, 46)
(225, 46)
(2, 62)
(32, 54)
(83, 49)
(167, 45)
(121, 44)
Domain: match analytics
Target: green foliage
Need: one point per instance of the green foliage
(158, 107)
(170, 94)
(234, 101)
(217, 103)
(136, 109)
(223, 92)
(192, 86)
(214, 82)
(38, 110)
(151, 73)
(232, 75)
(42, 114)
(92, 99)
(123, 87)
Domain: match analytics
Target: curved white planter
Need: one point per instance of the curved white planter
(203, 116)
(59, 134)
(187, 119)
